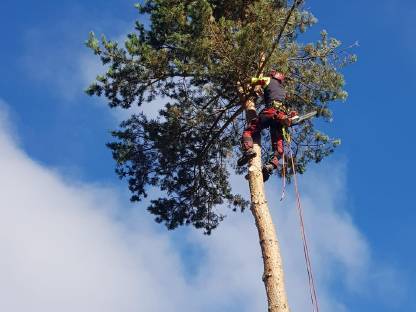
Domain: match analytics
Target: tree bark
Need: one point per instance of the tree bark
(273, 276)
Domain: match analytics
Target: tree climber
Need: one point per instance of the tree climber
(274, 116)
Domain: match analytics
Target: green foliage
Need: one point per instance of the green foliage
(200, 55)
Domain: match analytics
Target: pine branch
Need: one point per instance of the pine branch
(219, 132)
(295, 4)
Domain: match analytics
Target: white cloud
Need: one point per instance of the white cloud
(70, 246)
(338, 250)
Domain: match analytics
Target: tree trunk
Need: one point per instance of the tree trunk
(273, 276)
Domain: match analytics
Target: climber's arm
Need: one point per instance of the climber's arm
(260, 81)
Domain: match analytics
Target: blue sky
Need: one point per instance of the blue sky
(363, 192)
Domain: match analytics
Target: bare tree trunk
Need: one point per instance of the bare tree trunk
(273, 276)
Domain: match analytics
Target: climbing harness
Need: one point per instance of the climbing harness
(278, 106)
(311, 280)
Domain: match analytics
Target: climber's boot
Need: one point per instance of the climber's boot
(247, 155)
(267, 171)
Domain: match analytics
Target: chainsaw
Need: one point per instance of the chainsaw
(299, 119)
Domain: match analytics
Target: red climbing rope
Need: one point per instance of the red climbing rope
(312, 288)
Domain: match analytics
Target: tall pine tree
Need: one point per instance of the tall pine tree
(200, 56)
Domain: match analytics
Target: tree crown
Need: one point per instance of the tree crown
(200, 55)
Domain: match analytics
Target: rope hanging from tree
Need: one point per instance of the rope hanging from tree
(311, 280)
